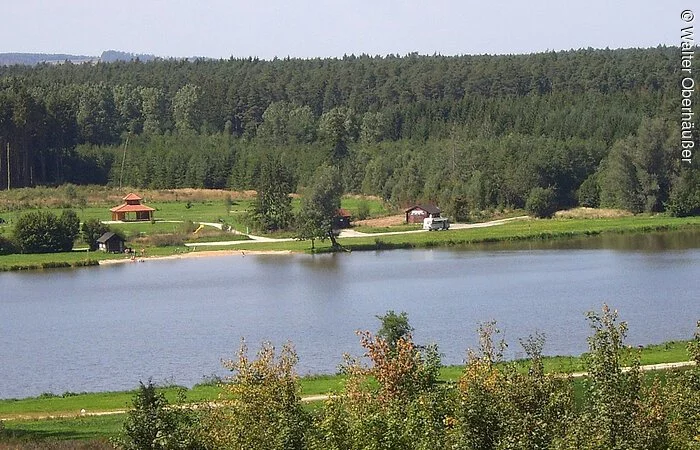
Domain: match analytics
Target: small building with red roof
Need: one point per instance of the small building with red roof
(416, 214)
(342, 219)
(132, 204)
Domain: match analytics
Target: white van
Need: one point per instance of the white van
(436, 223)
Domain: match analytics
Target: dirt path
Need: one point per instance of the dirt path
(305, 399)
(343, 234)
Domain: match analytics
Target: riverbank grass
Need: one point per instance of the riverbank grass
(520, 230)
(73, 403)
(28, 420)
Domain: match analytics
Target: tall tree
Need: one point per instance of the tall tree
(186, 109)
(97, 118)
(338, 128)
(319, 207)
(272, 209)
(153, 110)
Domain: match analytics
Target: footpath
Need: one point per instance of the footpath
(305, 399)
(346, 233)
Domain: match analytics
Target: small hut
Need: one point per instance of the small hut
(342, 219)
(132, 204)
(417, 213)
(110, 242)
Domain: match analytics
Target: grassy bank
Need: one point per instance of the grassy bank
(523, 230)
(516, 231)
(72, 403)
(163, 237)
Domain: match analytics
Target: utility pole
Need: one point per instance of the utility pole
(8, 166)
(121, 173)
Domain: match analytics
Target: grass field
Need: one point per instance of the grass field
(392, 229)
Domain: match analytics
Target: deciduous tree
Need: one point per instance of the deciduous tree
(319, 206)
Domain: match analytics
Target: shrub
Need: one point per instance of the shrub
(396, 403)
(43, 232)
(91, 231)
(154, 424)
(619, 412)
(362, 210)
(683, 401)
(7, 247)
(685, 195)
(589, 192)
(188, 227)
(261, 403)
(166, 240)
(541, 202)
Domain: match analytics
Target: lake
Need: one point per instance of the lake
(106, 328)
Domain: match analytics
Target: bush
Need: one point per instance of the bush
(396, 403)
(188, 227)
(589, 192)
(541, 202)
(91, 231)
(685, 195)
(362, 210)
(44, 232)
(154, 424)
(261, 405)
(166, 240)
(619, 411)
(7, 247)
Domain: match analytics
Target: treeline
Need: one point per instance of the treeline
(470, 132)
(398, 402)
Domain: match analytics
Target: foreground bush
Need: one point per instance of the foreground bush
(155, 424)
(502, 408)
(619, 411)
(397, 401)
(261, 405)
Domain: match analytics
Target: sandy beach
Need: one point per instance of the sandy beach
(200, 254)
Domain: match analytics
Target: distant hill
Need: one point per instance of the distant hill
(114, 55)
(31, 59)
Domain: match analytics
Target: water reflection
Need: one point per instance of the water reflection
(644, 242)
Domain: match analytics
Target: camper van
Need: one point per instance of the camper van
(436, 223)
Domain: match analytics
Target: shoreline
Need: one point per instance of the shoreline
(196, 254)
(476, 234)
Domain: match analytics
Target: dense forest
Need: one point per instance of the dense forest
(591, 127)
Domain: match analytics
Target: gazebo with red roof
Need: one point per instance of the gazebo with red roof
(132, 204)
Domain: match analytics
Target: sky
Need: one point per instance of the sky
(314, 28)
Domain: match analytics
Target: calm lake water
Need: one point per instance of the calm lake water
(106, 328)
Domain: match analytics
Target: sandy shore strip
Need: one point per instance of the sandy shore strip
(200, 254)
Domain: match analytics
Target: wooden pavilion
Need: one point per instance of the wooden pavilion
(132, 204)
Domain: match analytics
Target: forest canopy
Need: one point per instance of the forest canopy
(596, 127)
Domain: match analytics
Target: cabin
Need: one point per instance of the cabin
(342, 219)
(110, 242)
(132, 204)
(417, 213)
